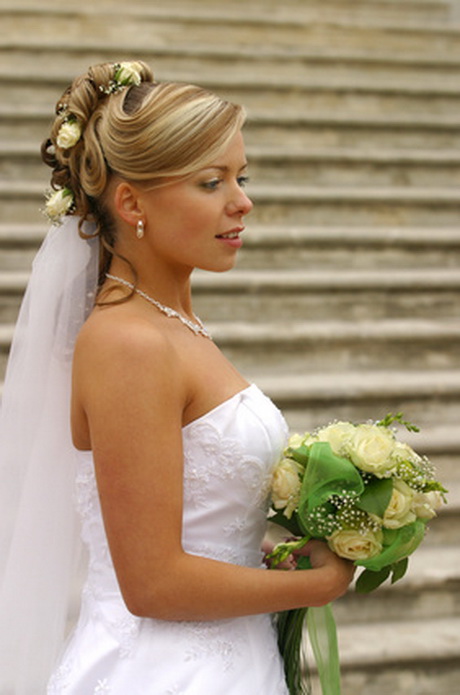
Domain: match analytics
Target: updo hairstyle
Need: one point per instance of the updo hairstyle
(141, 132)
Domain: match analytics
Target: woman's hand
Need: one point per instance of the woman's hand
(339, 572)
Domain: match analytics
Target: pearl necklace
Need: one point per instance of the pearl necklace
(197, 327)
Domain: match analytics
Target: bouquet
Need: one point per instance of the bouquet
(365, 493)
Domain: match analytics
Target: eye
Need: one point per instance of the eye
(242, 181)
(212, 184)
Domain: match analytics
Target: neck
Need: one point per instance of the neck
(194, 324)
(169, 288)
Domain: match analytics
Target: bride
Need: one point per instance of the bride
(116, 386)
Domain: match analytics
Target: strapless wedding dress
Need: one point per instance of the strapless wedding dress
(229, 454)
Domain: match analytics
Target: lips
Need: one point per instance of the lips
(232, 234)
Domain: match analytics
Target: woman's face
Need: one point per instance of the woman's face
(197, 222)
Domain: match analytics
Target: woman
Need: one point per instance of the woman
(174, 449)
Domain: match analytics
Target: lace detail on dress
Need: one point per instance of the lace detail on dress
(209, 640)
(213, 458)
(59, 681)
(87, 504)
(236, 526)
(219, 639)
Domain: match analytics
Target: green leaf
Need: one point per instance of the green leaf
(303, 562)
(376, 496)
(399, 570)
(369, 580)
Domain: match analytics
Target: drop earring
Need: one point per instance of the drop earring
(140, 229)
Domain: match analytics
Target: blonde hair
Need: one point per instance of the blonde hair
(142, 132)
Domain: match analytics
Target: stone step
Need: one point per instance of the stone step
(350, 295)
(20, 58)
(337, 129)
(269, 247)
(150, 25)
(302, 129)
(381, 206)
(338, 346)
(313, 167)
(406, 11)
(352, 167)
(287, 204)
(308, 399)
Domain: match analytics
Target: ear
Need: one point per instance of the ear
(128, 203)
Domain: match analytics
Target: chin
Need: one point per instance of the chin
(221, 267)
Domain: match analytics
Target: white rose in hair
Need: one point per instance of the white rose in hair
(69, 134)
(128, 73)
(58, 203)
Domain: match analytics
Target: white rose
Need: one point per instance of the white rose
(337, 435)
(353, 544)
(129, 73)
(59, 203)
(370, 449)
(399, 511)
(296, 440)
(69, 134)
(286, 486)
(426, 504)
(403, 452)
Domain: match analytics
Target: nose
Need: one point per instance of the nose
(240, 203)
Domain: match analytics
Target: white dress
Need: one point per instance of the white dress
(229, 454)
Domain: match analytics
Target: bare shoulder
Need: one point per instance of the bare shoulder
(114, 332)
(118, 350)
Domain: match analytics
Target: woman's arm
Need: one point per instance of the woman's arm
(130, 386)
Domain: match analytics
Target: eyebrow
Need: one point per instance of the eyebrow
(226, 168)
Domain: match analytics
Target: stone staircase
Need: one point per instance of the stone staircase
(345, 301)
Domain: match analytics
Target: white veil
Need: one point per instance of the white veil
(39, 544)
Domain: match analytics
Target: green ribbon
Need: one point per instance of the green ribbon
(322, 633)
(325, 475)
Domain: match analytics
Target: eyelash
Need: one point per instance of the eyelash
(212, 185)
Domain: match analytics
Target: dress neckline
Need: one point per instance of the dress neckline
(217, 407)
(200, 418)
